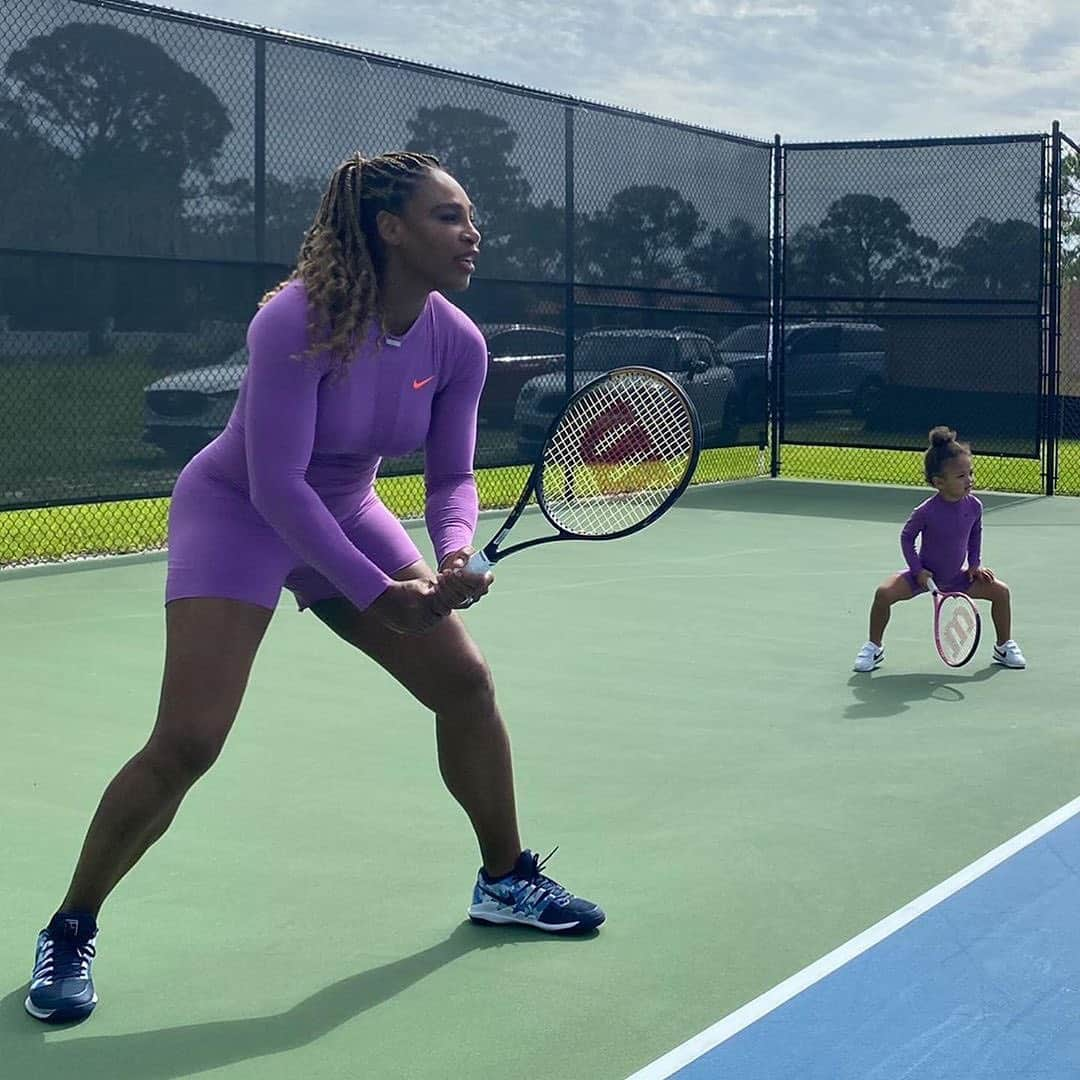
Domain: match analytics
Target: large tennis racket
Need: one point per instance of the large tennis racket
(957, 626)
(617, 457)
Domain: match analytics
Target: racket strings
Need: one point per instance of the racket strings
(617, 455)
(957, 629)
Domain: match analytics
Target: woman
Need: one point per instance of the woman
(354, 357)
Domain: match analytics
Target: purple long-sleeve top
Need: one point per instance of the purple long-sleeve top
(949, 532)
(305, 443)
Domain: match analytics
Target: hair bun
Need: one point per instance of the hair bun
(941, 435)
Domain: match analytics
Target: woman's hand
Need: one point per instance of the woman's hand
(980, 573)
(922, 577)
(411, 607)
(458, 587)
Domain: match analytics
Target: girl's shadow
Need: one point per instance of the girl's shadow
(887, 695)
(169, 1053)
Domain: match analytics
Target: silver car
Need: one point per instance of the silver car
(688, 357)
(182, 412)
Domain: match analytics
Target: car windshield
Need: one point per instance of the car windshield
(607, 353)
(525, 343)
(749, 339)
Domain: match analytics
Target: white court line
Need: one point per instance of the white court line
(772, 999)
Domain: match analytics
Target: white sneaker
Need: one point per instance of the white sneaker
(870, 655)
(1009, 655)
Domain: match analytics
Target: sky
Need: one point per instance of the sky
(806, 69)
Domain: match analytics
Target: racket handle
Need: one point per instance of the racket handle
(931, 588)
(478, 563)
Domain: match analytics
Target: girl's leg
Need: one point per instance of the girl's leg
(997, 592)
(891, 591)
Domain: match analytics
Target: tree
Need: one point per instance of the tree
(33, 212)
(998, 260)
(865, 247)
(476, 147)
(134, 124)
(225, 210)
(1070, 217)
(735, 259)
(642, 237)
(538, 245)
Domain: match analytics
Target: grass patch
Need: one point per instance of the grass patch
(112, 528)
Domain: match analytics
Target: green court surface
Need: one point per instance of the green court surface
(686, 727)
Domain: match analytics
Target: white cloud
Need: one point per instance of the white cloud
(810, 69)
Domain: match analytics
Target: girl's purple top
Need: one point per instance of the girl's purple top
(304, 444)
(950, 532)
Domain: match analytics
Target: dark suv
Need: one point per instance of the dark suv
(688, 357)
(516, 353)
(827, 365)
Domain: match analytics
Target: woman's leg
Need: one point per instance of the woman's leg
(445, 671)
(210, 646)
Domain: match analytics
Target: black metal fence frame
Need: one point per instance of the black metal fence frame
(1051, 241)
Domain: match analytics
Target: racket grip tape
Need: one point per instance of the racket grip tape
(478, 563)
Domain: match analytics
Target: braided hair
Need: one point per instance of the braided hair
(341, 256)
(943, 447)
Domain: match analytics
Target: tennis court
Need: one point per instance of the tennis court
(687, 729)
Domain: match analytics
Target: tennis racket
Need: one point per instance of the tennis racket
(957, 626)
(615, 459)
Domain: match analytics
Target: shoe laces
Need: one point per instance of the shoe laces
(64, 958)
(533, 874)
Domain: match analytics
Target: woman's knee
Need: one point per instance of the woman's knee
(468, 685)
(180, 759)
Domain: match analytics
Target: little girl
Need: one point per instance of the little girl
(950, 524)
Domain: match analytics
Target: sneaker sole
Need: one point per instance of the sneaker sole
(60, 1016)
(1012, 667)
(494, 918)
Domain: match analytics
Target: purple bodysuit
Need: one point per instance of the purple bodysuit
(951, 532)
(285, 495)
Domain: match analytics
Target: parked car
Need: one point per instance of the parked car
(827, 365)
(182, 412)
(185, 410)
(689, 357)
(517, 353)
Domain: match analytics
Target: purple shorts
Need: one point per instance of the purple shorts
(959, 583)
(220, 546)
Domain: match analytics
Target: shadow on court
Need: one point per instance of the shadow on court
(888, 695)
(806, 498)
(168, 1053)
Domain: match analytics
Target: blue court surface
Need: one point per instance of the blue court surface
(978, 978)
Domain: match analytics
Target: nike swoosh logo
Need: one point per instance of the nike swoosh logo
(417, 384)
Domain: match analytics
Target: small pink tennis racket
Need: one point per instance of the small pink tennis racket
(957, 626)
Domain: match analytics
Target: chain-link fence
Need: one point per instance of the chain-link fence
(823, 304)
(913, 283)
(169, 166)
(1066, 413)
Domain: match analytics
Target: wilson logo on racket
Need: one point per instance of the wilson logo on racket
(616, 458)
(616, 436)
(957, 626)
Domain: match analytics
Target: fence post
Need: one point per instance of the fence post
(1053, 333)
(568, 255)
(259, 179)
(776, 307)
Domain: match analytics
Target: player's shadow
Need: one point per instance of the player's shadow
(886, 695)
(168, 1053)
